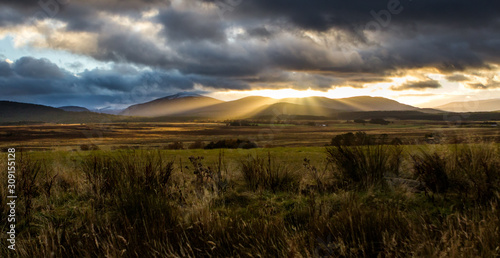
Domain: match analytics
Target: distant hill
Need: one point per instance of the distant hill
(15, 112)
(240, 108)
(284, 108)
(200, 107)
(170, 105)
(472, 106)
(189, 107)
(108, 110)
(74, 109)
(361, 103)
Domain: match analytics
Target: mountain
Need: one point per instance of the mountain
(108, 110)
(74, 109)
(284, 108)
(361, 103)
(196, 106)
(240, 108)
(15, 112)
(472, 106)
(171, 105)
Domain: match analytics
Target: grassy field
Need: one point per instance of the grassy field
(159, 135)
(364, 199)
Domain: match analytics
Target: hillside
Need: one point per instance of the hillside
(240, 108)
(170, 105)
(74, 109)
(187, 105)
(361, 103)
(472, 106)
(284, 108)
(15, 112)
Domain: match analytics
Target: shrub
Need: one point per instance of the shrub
(212, 179)
(476, 170)
(101, 173)
(350, 139)
(86, 147)
(363, 166)
(175, 146)
(28, 186)
(133, 172)
(379, 121)
(232, 144)
(267, 174)
(197, 145)
(430, 169)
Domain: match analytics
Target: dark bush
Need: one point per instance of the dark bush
(231, 144)
(86, 147)
(379, 121)
(476, 170)
(350, 139)
(267, 174)
(175, 146)
(363, 166)
(197, 145)
(430, 169)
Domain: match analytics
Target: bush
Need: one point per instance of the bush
(430, 169)
(212, 179)
(363, 166)
(476, 171)
(267, 174)
(197, 145)
(379, 121)
(127, 172)
(175, 146)
(350, 139)
(86, 147)
(232, 144)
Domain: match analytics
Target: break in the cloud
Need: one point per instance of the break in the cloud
(250, 44)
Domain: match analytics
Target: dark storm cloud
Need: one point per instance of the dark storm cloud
(421, 85)
(31, 79)
(131, 47)
(197, 43)
(323, 15)
(9, 16)
(119, 5)
(191, 26)
(37, 68)
(5, 69)
(259, 32)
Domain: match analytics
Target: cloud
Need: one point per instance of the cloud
(457, 78)
(419, 85)
(191, 26)
(258, 44)
(36, 68)
(5, 69)
(31, 79)
(484, 86)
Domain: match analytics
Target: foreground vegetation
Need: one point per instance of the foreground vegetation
(359, 200)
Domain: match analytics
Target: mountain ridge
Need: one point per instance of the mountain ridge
(486, 105)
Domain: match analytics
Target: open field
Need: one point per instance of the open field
(136, 196)
(419, 200)
(160, 135)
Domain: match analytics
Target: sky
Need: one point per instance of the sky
(114, 53)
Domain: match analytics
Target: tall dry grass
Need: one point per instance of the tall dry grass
(140, 203)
